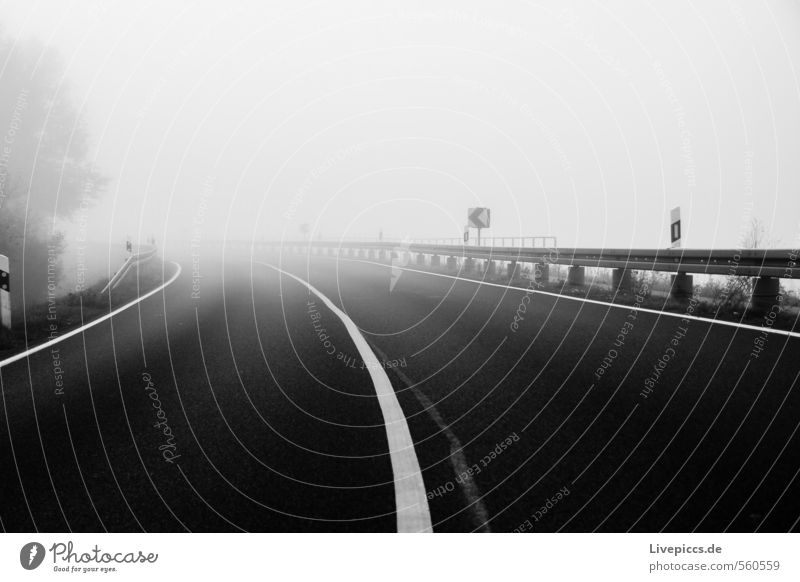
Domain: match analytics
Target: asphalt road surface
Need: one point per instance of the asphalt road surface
(243, 400)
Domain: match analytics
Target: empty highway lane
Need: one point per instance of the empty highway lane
(320, 394)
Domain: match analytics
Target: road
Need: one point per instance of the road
(243, 400)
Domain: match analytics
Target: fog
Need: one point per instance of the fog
(586, 122)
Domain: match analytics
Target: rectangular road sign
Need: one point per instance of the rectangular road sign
(675, 227)
(479, 217)
(5, 293)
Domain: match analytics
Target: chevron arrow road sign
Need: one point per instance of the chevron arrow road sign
(479, 217)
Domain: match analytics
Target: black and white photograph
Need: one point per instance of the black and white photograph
(280, 279)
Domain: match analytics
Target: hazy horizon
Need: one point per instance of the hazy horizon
(577, 121)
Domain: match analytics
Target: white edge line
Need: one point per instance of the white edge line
(413, 513)
(593, 301)
(74, 332)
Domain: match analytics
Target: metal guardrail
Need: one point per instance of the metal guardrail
(134, 259)
(781, 263)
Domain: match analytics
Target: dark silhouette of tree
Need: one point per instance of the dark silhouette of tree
(45, 173)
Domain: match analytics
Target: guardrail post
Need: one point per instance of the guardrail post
(491, 268)
(421, 259)
(576, 275)
(513, 271)
(541, 273)
(765, 293)
(621, 279)
(469, 265)
(131, 261)
(5, 292)
(682, 286)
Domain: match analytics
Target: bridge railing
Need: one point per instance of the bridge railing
(778, 263)
(493, 241)
(766, 266)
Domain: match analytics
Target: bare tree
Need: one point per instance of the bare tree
(756, 237)
(737, 291)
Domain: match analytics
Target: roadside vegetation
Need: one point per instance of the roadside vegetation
(47, 180)
(43, 321)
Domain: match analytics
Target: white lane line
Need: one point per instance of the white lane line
(593, 301)
(458, 460)
(413, 513)
(83, 328)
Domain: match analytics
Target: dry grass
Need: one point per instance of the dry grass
(72, 309)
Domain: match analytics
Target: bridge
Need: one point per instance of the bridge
(766, 266)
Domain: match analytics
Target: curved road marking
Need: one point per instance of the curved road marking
(458, 461)
(83, 328)
(413, 513)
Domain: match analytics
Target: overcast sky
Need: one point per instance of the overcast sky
(573, 119)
